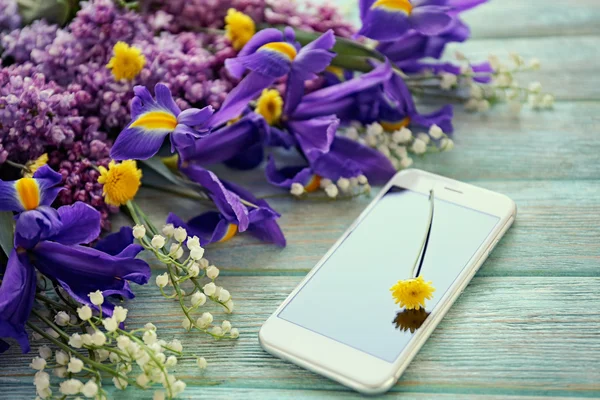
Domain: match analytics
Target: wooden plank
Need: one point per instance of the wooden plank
(569, 64)
(516, 18)
(556, 232)
(507, 336)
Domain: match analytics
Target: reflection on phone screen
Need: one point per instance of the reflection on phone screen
(348, 299)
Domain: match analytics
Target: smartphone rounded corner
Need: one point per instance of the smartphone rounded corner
(376, 388)
(405, 172)
(510, 205)
(263, 336)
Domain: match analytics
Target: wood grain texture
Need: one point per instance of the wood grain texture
(528, 326)
(504, 336)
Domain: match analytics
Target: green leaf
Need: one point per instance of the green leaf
(343, 46)
(53, 11)
(7, 231)
(157, 167)
(360, 64)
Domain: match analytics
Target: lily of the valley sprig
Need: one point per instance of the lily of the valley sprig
(412, 293)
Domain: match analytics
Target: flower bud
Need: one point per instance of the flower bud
(226, 326)
(194, 270)
(62, 318)
(75, 365)
(139, 231)
(209, 289)
(196, 253)
(296, 189)
(120, 313)
(62, 358)
(212, 272)
(158, 242)
(84, 313)
(96, 298)
(180, 234)
(224, 295)
(193, 242)
(168, 230)
(198, 299)
(162, 280)
(38, 363)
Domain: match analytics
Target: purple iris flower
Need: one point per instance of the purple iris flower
(378, 96)
(270, 55)
(414, 45)
(238, 211)
(153, 120)
(387, 20)
(239, 144)
(51, 241)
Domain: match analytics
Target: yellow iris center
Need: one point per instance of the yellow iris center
(270, 106)
(156, 120)
(281, 47)
(231, 231)
(239, 28)
(127, 62)
(28, 192)
(121, 182)
(394, 5)
(394, 126)
(313, 184)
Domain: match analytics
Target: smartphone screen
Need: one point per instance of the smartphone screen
(349, 300)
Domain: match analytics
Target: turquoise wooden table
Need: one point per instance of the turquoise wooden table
(528, 326)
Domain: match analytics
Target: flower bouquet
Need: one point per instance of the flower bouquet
(100, 97)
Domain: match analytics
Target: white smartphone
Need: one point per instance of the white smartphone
(342, 322)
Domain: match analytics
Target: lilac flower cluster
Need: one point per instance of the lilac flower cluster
(35, 114)
(317, 17)
(28, 43)
(190, 14)
(38, 116)
(179, 15)
(9, 15)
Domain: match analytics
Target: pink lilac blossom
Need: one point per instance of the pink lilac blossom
(9, 15)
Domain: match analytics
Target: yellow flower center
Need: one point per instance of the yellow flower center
(313, 184)
(394, 126)
(403, 6)
(239, 28)
(121, 182)
(412, 293)
(171, 162)
(28, 192)
(337, 71)
(156, 120)
(127, 62)
(270, 106)
(36, 164)
(283, 48)
(231, 231)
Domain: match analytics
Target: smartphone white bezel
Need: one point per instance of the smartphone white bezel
(354, 368)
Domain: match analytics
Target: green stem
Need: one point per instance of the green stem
(52, 303)
(429, 221)
(51, 324)
(83, 358)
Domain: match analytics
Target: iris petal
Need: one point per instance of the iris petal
(80, 223)
(17, 292)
